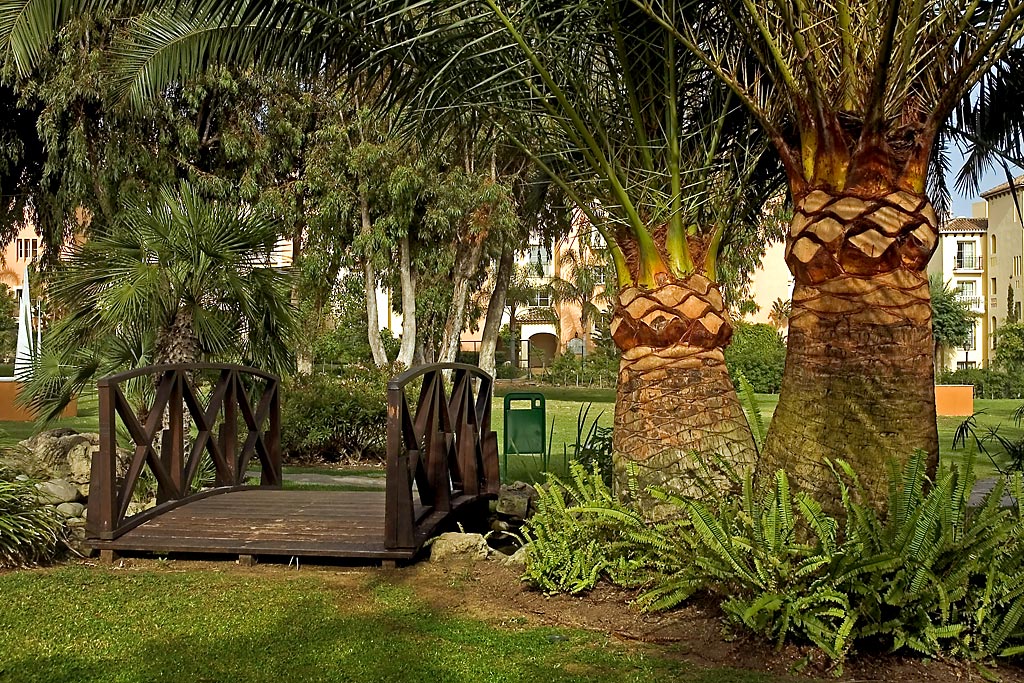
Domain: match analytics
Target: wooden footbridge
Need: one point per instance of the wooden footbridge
(442, 461)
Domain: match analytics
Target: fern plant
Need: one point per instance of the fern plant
(753, 409)
(581, 533)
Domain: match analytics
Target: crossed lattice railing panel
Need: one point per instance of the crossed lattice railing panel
(198, 413)
(445, 445)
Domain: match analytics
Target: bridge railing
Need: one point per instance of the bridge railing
(444, 444)
(217, 402)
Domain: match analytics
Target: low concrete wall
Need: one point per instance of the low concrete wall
(954, 399)
(10, 412)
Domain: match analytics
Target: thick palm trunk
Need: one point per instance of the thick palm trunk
(675, 401)
(177, 343)
(859, 378)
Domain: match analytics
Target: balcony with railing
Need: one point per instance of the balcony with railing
(973, 302)
(964, 262)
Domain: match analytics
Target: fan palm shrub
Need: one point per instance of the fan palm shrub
(177, 279)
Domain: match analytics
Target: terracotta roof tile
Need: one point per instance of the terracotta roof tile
(1005, 187)
(962, 224)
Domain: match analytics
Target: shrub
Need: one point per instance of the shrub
(930, 574)
(336, 418)
(758, 352)
(988, 383)
(581, 534)
(600, 368)
(29, 532)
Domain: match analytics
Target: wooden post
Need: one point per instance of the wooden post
(437, 454)
(469, 444)
(229, 432)
(102, 487)
(172, 444)
(274, 436)
(398, 515)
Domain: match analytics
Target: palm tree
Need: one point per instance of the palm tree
(856, 97)
(580, 285)
(779, 315)
(638, 134)
(178, 279)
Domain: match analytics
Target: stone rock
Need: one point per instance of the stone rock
(71, 510)
(516, 559)
(76, 525)
(499, 525)
(514, 500)
(459, 547)
(57, 491)
(61, 454)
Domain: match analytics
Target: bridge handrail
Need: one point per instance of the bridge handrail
(446, 446)
(175, 397)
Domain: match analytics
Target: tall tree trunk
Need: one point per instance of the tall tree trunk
(464, 269)
(380, 358)
(859, 377)
(304, 352)
(495, 309)
(674, 398)
(408, 280)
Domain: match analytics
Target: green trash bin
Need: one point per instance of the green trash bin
(525, 427)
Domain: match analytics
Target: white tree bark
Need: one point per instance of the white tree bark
(380, 358)
(408, 349)
(464, 268)
(495, 308)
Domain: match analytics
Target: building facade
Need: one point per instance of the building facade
(981, 258)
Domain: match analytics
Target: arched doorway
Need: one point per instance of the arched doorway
(543, 347)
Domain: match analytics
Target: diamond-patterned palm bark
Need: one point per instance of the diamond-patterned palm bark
(858, 383)
(674, 396)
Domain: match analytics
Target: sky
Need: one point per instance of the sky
(962, 203)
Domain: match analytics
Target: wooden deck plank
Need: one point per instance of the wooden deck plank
(336, 524)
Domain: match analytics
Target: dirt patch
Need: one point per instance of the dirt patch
(696, 633)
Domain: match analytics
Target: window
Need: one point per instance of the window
(27, 249)
(966, 288)
(970, 345)
(994, 290)
(992, 243)
(965, 255)
(541, 299)
(1017, 265)
(539, 258)
(966, 365)
(992, 332)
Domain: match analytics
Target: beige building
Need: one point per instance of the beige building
(981, 257)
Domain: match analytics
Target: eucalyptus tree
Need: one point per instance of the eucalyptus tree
(856, 97)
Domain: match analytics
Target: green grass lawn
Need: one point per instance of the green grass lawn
(80, 625)
(563, 406)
